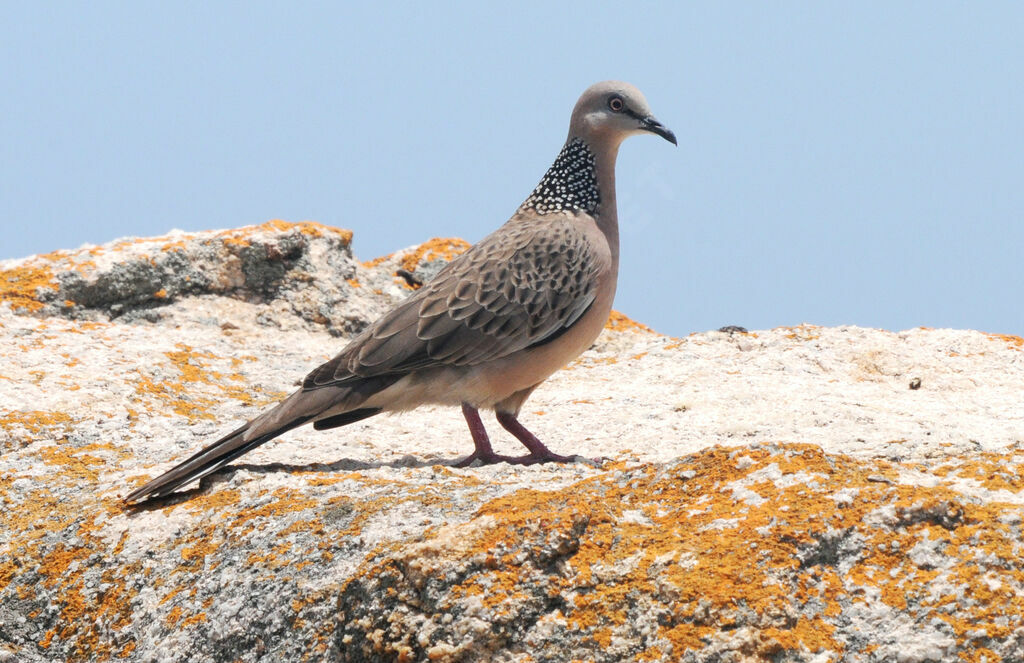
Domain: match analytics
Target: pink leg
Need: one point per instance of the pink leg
(538, 452)
(483, 451)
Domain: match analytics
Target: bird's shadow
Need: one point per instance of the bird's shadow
(225, 473)
(340, 465)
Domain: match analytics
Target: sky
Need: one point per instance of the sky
(856, 163)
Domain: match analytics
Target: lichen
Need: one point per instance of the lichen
(620, 322)
(21, 286)
(785, 558)
(179, 393)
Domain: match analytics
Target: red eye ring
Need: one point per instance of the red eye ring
(616, 104)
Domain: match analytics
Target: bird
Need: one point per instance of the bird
(493, 324)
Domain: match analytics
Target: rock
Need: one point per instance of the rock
(298, 271)
(769, 495)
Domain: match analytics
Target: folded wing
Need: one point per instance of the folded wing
(522, 286)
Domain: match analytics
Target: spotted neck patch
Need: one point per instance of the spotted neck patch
(569, 185)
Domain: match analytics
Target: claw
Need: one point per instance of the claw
(478, 458)
(529, 459)
(484, 454)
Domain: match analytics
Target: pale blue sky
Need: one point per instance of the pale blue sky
(837, 164)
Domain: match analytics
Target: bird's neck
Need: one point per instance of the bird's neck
(581, 180)
(570, 185)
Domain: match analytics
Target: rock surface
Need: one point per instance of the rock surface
(780, 495)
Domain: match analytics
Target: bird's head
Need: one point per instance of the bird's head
(612, 111)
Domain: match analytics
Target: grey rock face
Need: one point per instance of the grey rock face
(306, 268)
(772, 495)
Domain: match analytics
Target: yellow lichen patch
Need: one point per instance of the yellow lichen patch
(20, 286)
(36, 421)
(621, 322)
(194, 619)
(748, 538)
(1015, 342)
(212, 501)
(174, 616)
(63, 569)
(88, 325)
(181, 396)
(242, 236)
(196, 553)
(176, 245)
(173, 395)
(444, 248)
(994, 471)
(802, 332)
(287, 501)
(378, 260)
(78, 463)
(171, 594)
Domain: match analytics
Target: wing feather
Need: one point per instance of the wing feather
(523, 285)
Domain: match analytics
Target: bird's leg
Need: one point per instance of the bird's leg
(538, 452)
(483, 451)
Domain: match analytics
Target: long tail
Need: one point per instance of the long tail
(299, 408)
(210, 459)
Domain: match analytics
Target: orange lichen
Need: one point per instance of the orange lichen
(176, 245)
(35, 421)
(1014, 342)
(621, 322)
(378, 260)
(758, 558)
(802, 332)
(726, 561)
(288, 500)
(173, 616)
(241, 236)
(197, 553)
(194, 619)
(62, 569)
(76, 462)
(181, 395)
(994, 471)
(444, 248)
(20, 286)
(176, 397)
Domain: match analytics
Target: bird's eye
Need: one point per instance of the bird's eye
(616, 104)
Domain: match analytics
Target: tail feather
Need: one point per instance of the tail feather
(346, 418)
(209, 459)
(302, 406)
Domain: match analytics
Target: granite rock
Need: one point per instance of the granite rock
(782, 495)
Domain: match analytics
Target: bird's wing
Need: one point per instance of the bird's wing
(523, 285)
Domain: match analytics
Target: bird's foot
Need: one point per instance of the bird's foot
(546, 456)
(484, 458)
(483, 454)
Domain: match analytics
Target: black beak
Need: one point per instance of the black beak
(655, 127)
